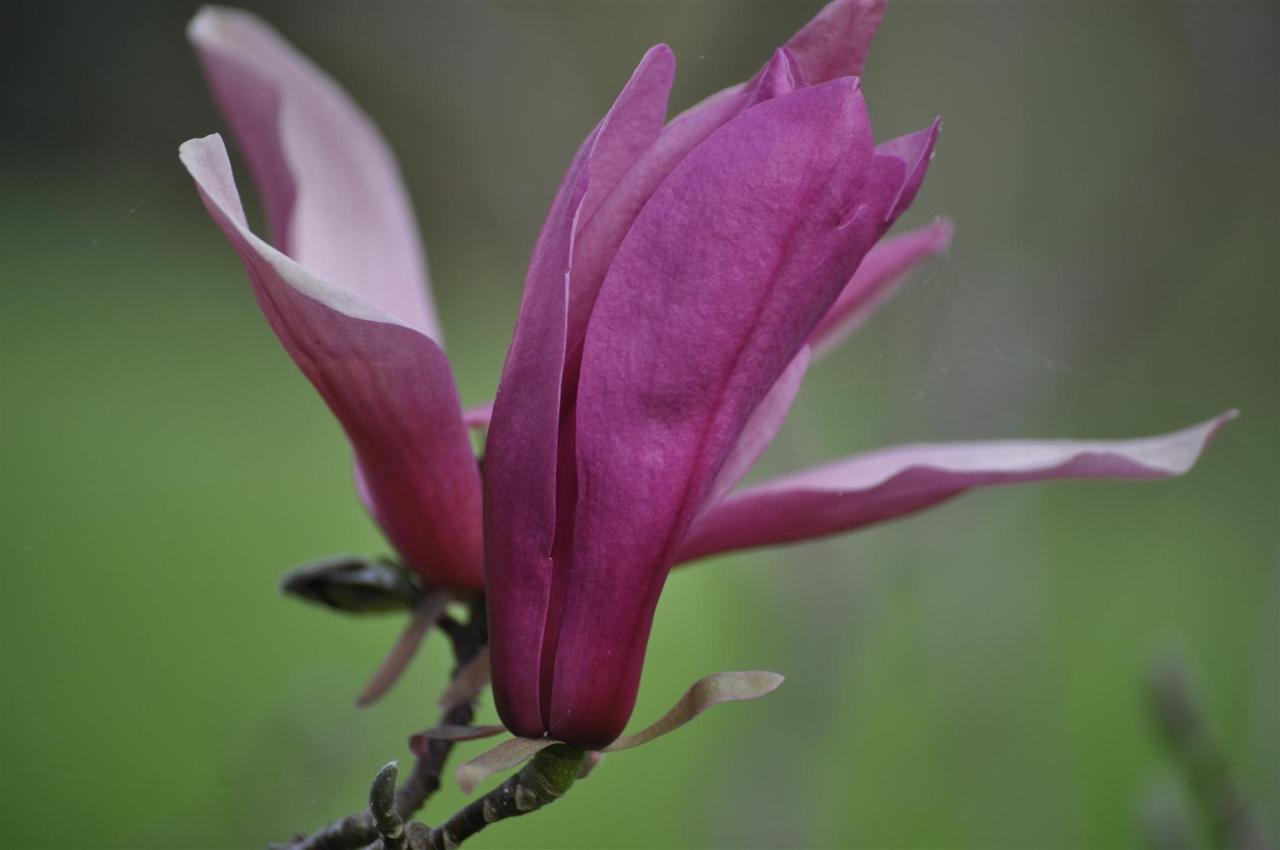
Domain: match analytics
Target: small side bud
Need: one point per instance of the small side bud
(353, 585)
(382, 806)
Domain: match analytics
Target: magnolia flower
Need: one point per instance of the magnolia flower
(686, 274)
(685, 277)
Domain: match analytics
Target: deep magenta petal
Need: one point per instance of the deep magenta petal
(730, 265)
(833, 44)
(388, 384)
(521, 456)
(889, 483)
(723, 243)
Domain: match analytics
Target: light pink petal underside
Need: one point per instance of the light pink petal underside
(331, 187)
(388, 384)
(890, 483)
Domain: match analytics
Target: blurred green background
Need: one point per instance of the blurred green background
(969, 678)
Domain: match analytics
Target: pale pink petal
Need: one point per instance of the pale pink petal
(890, 483)
(521, 452)
(331, 187)
(388, 384)
(876, 281)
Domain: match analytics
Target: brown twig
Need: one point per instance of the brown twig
(468, 639)
(360, 830)
(541, 782)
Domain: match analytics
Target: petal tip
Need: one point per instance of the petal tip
(663, 50)
(1217, 423)
(942, 230)
(1177, 452)
(209, 24)
(771, 681)
(200, 145)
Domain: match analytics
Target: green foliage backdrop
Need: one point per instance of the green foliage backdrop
(969, 678)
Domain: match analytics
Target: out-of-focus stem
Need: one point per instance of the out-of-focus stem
(1182, 718)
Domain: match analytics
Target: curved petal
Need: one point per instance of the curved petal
(388, 384)
(707, 692)
(729, 267)
(890, 483)
(521, 454)
(911, 154)
(330, 185)
(876, 281)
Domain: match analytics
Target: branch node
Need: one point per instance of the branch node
(539, 783)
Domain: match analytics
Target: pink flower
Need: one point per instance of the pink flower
(344, 285)
(685, 274)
